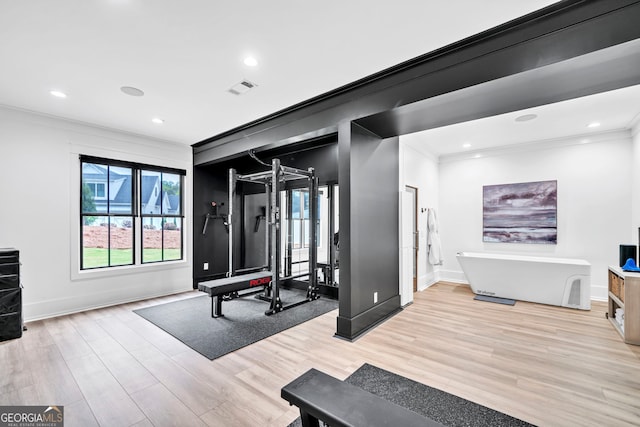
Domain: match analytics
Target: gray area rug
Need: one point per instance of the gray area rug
(244, 321)
(440, 406)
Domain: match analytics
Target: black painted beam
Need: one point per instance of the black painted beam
(604, 70)
(557, 33)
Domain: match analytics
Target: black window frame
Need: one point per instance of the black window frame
(136, 208)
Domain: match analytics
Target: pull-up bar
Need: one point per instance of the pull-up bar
(287, 174)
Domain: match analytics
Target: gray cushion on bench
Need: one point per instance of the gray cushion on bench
(232, 284)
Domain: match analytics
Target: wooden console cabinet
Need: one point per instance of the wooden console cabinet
(624, 293)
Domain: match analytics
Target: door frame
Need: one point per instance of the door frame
(416, 234)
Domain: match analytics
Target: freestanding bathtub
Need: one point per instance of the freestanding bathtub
(556, 281)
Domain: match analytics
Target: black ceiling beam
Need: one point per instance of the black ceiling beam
(604, 70)
(560, 32)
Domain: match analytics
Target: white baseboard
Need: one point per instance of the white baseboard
(452, 276)
(599, 293)
(427, 280)
(54, 308)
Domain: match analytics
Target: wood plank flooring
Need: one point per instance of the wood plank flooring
(547, 365)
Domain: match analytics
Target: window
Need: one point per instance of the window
(114, 195)
(107, 231)
(300, 218)
(97, 189)
(295, 229)
(161, 216)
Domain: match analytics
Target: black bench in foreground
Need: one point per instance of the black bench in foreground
(339, 404)
(216, 289)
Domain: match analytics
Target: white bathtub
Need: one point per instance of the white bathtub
(556, 281)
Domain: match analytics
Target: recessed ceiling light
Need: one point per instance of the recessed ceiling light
(526, 117)
(250, 61)
(584, 141)
(477, 156)
(133, 91)
(466, 145)
(157, 121)
(593, 124)
(58, 94)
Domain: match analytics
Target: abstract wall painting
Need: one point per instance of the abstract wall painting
(520, 213)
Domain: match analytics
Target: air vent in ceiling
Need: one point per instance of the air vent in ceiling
(242, 87)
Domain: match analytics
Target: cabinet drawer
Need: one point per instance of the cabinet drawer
(10, 268)
(614, 283)
(11, 301)
(9, 256)
(10, 326)
(9, 281)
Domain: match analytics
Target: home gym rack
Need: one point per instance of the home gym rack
(269, 276)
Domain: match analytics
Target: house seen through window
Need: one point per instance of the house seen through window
(129, 205)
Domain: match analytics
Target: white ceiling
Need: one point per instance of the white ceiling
(614, 111)
(185, 55)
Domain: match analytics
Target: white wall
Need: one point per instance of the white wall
(420, 170)
(594, 200)
(39, 174)
(635, 183)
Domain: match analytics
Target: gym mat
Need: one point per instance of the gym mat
(244, 321)
(497, 300)
(438, 405)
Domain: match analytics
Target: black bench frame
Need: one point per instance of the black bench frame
(339, 404)
(219, 288)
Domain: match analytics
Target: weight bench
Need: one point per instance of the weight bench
(216, 289)
(339, 404)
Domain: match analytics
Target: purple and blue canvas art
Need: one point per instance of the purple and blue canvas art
(520, 213)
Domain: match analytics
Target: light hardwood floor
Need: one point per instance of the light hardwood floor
(547, 365)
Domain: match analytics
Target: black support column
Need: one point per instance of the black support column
(368, 171)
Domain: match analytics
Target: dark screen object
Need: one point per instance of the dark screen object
(626, 252)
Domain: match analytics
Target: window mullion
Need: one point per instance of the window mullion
(108, 217)
(137, 216)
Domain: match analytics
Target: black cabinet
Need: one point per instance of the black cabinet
(10, 295)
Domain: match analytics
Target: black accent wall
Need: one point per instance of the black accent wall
(210, 183)
(208, 186)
